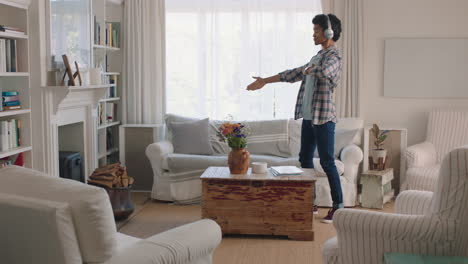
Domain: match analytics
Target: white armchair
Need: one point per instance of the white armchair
(59, 221)
(429, 223)
(446, 130)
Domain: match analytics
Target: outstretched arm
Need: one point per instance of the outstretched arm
(291, 76)
(260, 82)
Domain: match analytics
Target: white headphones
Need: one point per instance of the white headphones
(328, 33)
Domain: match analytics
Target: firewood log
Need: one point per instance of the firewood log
(107, 184)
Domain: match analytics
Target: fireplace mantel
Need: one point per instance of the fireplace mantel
(64, 105)
(64, 96)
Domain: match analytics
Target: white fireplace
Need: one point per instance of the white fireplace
(67, 105)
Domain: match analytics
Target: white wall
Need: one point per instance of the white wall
(405, 19)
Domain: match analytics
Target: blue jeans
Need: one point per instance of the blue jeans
(321, 137)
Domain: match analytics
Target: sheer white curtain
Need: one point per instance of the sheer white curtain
(144, 61)
(351, 44)
(215, 46)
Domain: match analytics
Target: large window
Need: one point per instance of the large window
(215, 46)
(69, 32)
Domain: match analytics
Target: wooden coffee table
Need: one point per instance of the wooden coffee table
(259, 203)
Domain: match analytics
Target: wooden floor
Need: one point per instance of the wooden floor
(153, 217)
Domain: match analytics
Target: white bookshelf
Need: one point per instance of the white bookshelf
(14, 74)
(110, 59)
(14, 13)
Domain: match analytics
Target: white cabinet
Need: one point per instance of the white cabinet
(15, 81)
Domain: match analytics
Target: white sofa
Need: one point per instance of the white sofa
(52, 220)
(446, 130)
(426, 223)
(176, 175)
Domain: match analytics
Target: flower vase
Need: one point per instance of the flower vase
(238, 161)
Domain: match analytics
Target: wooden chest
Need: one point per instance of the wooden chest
(259, 203)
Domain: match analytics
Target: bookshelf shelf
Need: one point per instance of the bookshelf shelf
(109, 48)
(14, 74)
(109, 152)
(111, 73)
(9, 35)
(14, 112)
(116, 2)
(23, 5)
(111, 124)
(110, 99)
(14, 151)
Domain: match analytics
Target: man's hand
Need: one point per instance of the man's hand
(257, 84)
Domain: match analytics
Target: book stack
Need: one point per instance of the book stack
(112, 34)
(8, 55)
(286, 171)
(10, 134)
(11, 100)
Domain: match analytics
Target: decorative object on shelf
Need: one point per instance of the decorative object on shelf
(68, 71)
(236, 136)
(71, 75)
(114, 179)
(377, 159)
(95, 76)
(77, 73)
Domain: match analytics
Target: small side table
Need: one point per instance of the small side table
(376, 188)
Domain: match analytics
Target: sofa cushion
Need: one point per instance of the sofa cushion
(191, 137)
(265, 137)
(90, 207)
(343, 138)
(36, 231)
(178, 163)
(347, 132)
(218, 147)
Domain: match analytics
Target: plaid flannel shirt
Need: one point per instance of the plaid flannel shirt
(327, 73)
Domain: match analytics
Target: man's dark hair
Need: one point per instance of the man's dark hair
(321, 20)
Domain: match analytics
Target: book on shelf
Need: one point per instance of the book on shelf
(110, 138)
(10, 134)
(111, 112)
(112, 34)
(8, 55)
(8, 29)
(112, 92)
(9, 108)
(285, 170)
(97, 32)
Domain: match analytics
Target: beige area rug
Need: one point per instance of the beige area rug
(153, 217)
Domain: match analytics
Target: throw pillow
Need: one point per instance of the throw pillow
(171, 118)
(343, 137)
(191, 137)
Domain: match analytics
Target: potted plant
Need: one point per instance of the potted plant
(378, 154)
(236, 137)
